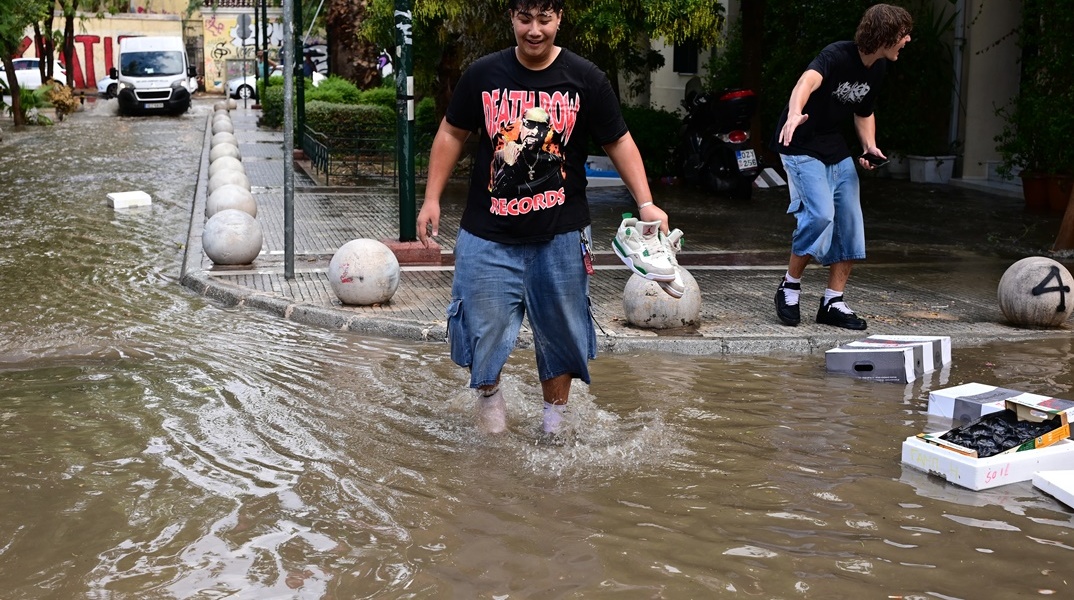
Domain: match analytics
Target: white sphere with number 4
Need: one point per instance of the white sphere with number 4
(364, 272)
(1035, 292)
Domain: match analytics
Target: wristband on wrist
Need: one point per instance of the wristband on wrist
(641, 206)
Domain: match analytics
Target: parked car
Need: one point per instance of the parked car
(246, 87)
(28, 75)
(107, 87)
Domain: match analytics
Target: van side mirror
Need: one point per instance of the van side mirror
(191, 71)
(113, 73)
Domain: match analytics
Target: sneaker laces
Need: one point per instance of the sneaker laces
(841, 307)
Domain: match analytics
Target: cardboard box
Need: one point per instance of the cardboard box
(984, 473)
(894, 358)
(1059, 484)
(1028, 410)
(971, 401)
(936, 348)
(129, 199)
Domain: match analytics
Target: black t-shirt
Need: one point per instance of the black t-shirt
(528, 182)
(848, 87)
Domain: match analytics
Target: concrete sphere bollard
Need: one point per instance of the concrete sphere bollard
(232, 237)
(231, 196)
(1036, 292)
(224, 150)
(231, 104)
(221, 105)
(364, 272)
(224, 138)
(227, 178)
(648, 306)
(226, 163)
(223, 125)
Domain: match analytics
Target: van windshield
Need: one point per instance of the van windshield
(150, 64)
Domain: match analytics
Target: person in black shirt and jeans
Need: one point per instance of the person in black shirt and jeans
(840, 83)
(523, 246)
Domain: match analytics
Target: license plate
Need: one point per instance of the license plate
(746, 159)
(161, 105)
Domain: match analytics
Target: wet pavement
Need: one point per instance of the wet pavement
(936, 256)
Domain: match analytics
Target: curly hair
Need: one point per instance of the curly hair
(881, 26)
(538, 5)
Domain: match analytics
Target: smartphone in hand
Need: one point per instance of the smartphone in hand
(874, 160)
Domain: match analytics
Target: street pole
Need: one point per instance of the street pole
(288, 141)
(299, 67)
(404, 104)
(265, 45)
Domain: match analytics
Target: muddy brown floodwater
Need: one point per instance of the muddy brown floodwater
(154, 445)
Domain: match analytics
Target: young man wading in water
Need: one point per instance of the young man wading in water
(523, 246)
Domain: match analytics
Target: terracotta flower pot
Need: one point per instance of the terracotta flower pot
(1059, 192)
(1035, 191)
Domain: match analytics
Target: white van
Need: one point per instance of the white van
(154, 75)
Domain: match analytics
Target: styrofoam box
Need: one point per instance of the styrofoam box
(984, 473)
(968, 402)
(895, 358)
(1058, 484)
(937, 348)
(900, 364)
(129, 199)
(971, 401)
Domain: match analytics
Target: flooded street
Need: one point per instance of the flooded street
(155, 445)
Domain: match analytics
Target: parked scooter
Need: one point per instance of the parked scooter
(715, 150)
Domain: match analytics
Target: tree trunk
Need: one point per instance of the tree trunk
(69, 44)
(13, 85)
(349, 55)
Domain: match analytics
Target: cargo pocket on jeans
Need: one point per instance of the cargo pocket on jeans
(458, 336)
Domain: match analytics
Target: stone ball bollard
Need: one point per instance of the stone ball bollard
(232, 237)
(220, 125)
(364, 272)
(224, 150)
(221, 105)
(230, 196)
(647, 305)
(231, 104)
(227, 178)
(224, 138)
(1035, 292)
(226, 163)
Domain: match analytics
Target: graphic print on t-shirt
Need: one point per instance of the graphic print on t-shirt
(851, 93)
(527, 171)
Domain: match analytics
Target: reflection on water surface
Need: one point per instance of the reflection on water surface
(155, 445)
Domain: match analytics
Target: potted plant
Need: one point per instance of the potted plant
(1038, 122)
(922, 86)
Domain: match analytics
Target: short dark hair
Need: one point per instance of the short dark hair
(881, 26)
(537, 5)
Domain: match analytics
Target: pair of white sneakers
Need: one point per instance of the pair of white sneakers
(651, 254)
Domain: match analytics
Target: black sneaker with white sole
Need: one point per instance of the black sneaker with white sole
(789, 314)
(829, 315)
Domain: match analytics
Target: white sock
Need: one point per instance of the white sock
(791, 296)
(553, 417)
(841, 306)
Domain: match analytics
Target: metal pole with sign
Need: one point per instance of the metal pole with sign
(404, 104)
(288, 141)
(242, 29)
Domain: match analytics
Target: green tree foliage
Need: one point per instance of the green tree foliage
(15, 17)
(450, 34)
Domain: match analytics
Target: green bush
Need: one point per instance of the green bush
(334, 89)
(425, 121)
(379, 96)
(350, 120)
(655, 132)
